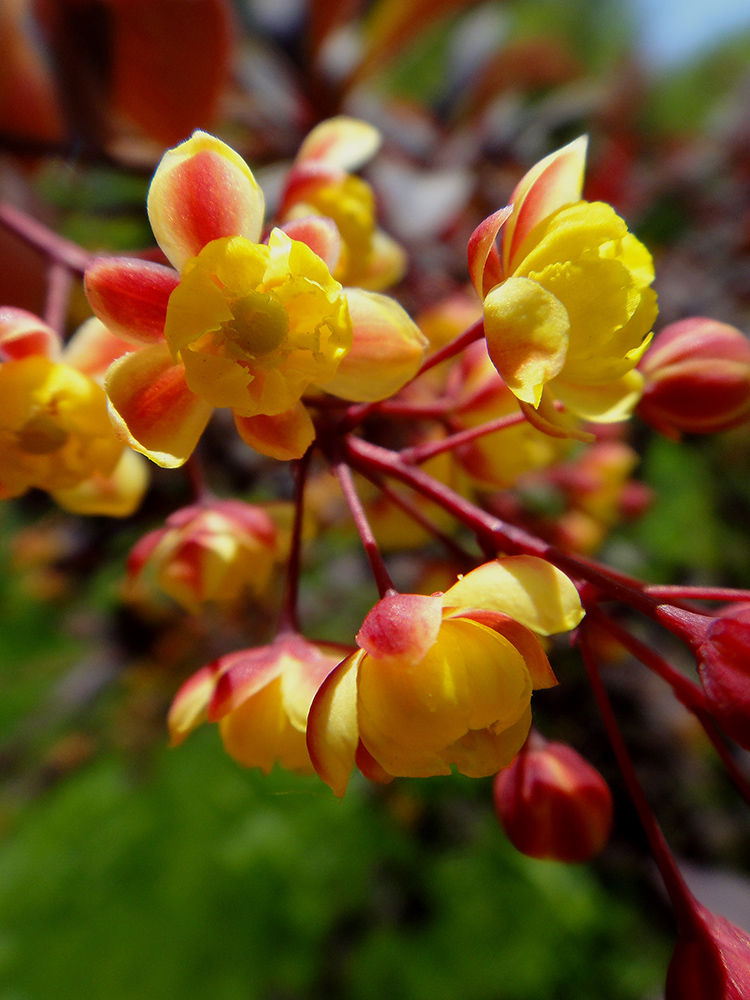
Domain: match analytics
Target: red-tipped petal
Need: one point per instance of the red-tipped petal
(485, 266)
(320, 233)
(402, 626)
(23, 334)
(152, 407)
(130, 296)
(202, 190)
(555, 181)
(342, 142)
(243, 674)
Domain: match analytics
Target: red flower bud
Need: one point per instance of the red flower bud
(553, 804)
(724, 670)
(711, 961)
(697, 376)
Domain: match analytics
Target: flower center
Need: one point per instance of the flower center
(260, 323)
(41, 435)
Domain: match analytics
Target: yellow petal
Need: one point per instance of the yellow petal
(605, 404)
(116, 495)
(526, 588)
(527, 335)
(342, 142)
(387, 350)
(332, 729)
(483, 752)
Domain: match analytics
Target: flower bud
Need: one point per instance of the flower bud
(711, 961)
(209, 552)
(553, 804)
(724, 670)
(697, 376)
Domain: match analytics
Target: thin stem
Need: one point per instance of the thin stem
(59, 282)
(697, 593)
(382, 578)
(494, 534)
(682, 899)
(289, 615)
(44, 239)
(197, 477)
(423, 452)
(409, 508)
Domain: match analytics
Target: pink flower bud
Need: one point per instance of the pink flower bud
(711, 961)
(724, 669)
(697, 376)
(553, 804)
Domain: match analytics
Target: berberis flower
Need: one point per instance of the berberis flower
(243, 324)
(568, 309)
(443, 680)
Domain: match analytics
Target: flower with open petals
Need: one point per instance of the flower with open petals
(443, 680)
(55, 433)
(567, 305)
(243, 324)
(260, 698)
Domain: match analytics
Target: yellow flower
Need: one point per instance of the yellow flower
(567, 305)
(442, 680)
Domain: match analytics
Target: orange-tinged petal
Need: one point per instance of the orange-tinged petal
(242, 674)
(387, 350)
(116, 495)
(401, 627)
(485, 266)
(386, 263)
(284, 436)
(522, 638)
(22, 333)
(527, 335)
(152, 407)
(341, 142)
(553, 182)
(93, 348)
(526, 588)
(202, 190)
(306, 666)
(320, 233)
(188, 709)
(130, 296)
(332, 729)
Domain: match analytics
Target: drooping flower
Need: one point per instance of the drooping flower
(260, 698)
(443, 680)
(552, 803)
(567, 305)
(55, 433)
(211, 551)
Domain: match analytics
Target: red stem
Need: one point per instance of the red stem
(289, 616)
(44, 239)
(421, 453)
(382, 578)
(682, 899)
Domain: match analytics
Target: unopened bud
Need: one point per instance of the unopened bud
(697, 376)
(711, 961)
(553, 804)
(724, 670)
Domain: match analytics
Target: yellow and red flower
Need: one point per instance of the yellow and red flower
(443, 680)
(239, 323)
(567, 305)
(260, 698)
(211, 551)
(55, 433)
